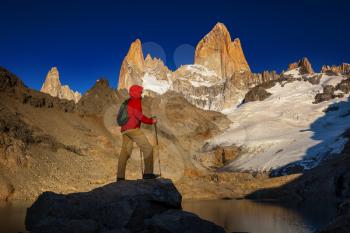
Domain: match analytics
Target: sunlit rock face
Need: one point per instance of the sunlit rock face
(304, 66)
(53, 86)
(219, 78)
(344, 68)
(132, 68)
(219, 53)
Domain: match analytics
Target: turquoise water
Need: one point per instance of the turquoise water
(233, 215)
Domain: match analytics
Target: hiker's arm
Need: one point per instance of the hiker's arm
(139, 115)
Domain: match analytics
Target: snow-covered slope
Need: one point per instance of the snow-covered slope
(149, 82)
(287, 129)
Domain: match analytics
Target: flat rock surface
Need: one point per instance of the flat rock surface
(128, 206)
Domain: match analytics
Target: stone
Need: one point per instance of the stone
(344, 86)
(257, 93)
(169, 222)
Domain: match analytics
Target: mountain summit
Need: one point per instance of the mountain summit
(132, 67)
(219, 78)
(303, 65)
(217, 52)
(53, 87)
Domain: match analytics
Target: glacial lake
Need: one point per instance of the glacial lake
(258, 217)
(233, 215)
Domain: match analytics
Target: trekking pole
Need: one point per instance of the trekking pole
(141, 158)
(155, 127)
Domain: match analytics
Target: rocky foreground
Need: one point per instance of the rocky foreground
(129, 206)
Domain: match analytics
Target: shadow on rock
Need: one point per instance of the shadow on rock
(128, 206)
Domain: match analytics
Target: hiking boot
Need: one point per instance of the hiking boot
(150, 176)
(120, 179)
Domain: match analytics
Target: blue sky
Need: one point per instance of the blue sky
(88, 40)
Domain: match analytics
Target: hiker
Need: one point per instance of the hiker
(132, 133)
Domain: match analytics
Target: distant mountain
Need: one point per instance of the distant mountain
(344, 68)
(291, 124)
(304, 66)
(217, 52)
(53, 86)
(219, 78)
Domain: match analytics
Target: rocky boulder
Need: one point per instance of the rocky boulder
(328, 94)
(329, 91)
(257, 93)
(344, 86)
(129, 206)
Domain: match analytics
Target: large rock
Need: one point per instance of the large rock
(344, 69)
(304, 66)
(219, 53)
(155, 67)
(205, 89)
(200, 86)
(257, 93)
(53, 87)
(135, 69)
(132, 68)
(130, 206)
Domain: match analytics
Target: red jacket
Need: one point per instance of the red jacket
(135, 110)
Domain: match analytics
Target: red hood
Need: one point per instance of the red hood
(135, 91)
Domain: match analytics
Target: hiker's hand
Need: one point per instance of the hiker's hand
(154, 118)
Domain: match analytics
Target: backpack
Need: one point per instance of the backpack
(122, 116)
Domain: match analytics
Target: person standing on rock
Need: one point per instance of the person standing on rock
(131, 132)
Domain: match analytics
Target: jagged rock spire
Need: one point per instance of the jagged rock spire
(218, 52)
(53, 87)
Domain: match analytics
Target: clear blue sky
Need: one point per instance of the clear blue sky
(89, 39)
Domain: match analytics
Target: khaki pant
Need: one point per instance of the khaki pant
(129, 137)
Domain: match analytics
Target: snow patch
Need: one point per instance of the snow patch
(152, 83)
(201, 76)
(199, 69)
(286, 128)
(293, 72)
